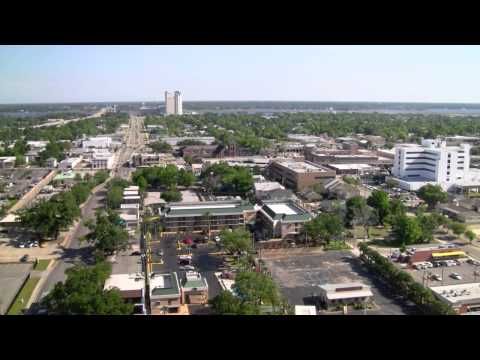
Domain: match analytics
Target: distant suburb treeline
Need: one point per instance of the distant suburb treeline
(256, 131)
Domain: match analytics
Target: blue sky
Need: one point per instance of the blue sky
(297, 73)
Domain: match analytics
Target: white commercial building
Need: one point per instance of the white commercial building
(97, 142)
(102, 160)
(346, 293)
(265, 187)
(69, 163)
(433, 162)
(463, 298)
(305, 310)
(173, 103)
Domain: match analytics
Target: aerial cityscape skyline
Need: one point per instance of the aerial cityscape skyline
(57, 74)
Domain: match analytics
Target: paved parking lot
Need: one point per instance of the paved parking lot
(12, 277)
(465, 270)
(21, 179)
(298, 276)
(202, 260)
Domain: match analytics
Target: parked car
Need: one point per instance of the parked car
(217, 238)
(24, 258)
(187, 268)
(21, 245)
(428, 264)
(159, 252)
(456, 276)
(136, 253)
(437, 277)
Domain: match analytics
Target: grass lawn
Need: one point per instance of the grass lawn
(25, 293)
(42, 265)
(336, 245)
(359, 232)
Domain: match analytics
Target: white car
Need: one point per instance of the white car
(456, 276)
(437, 277)
(428, 264)
(217, 238)
(21, 245)
(189, 268)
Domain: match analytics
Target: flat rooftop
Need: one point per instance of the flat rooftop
(125, 282)
(352, 166)
(346, 290)
(301, 166)
(456, 294)
(286, 211)
(268, 186)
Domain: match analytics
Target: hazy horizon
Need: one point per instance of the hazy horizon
(49, 74)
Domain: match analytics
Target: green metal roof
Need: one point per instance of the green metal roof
(198, 211)
(195, 284)
(65, 176)
(172, 289)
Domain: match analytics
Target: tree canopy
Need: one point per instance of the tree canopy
(83, 294)
(432, 195)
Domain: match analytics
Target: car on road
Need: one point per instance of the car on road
(437, 277)
(428, 264)
(159, 252)
(24, 258)
(187, 268)
(455, 276)
(136, 253)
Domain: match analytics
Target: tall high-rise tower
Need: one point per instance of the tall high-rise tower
(178, 103)
(169, 103)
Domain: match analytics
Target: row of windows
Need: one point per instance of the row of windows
(420, 163)
(420, 169)
(420, 158)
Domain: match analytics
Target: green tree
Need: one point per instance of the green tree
(432, 195)
(457, 228)
(324, 227)
(236, 241)
(185, 178)
(114, 197)
(106, 234)
(358, 212)
(470, 235)
(171, 195)
(83, 294)
(142, 183)
(379, 201)
(256, 288)
(225, 303)
(407, 230)
(161, 147)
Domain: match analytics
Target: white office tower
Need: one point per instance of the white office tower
(178, 103)
(169, 103)
(432, 162)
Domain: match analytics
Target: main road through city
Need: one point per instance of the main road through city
(76, 252)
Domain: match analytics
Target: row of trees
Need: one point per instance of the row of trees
(47, 218)
(256, 132)
(403, 283)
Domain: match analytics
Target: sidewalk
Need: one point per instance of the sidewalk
(43, 277)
